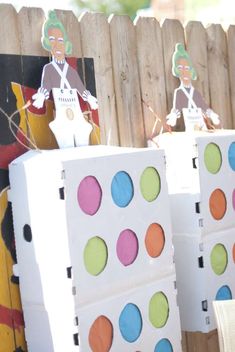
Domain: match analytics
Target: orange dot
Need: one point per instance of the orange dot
(154, 240)
(101, 335)
(217, 204)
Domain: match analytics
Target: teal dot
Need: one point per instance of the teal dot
(122, 189)
(130, 322)
(231, 156)
(163, 345)
(224, 293)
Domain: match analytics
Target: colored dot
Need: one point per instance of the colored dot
(150, 184)
(234, 252)
(95, 256)
(224, 293)
(163, 345)
(27, 233)
(101, 335)
(127, 247)
(122, 189)
(130, 322)
(89, 195)
(231, 156)
(158, 310)
(219, 259)
(233, 199)
(212, 158)
(154, 240)
(217, 204)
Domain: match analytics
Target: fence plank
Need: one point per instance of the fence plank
(9, 43)
(96, 44)
(231, 60)
(151, 67)
(202, 342)
(218, 73)
(124, 57)
(196, 43)
(30, 21)
(172, 33)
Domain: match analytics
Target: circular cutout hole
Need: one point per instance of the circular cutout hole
(130, 322)
(158, 310)
(95, 256)
(231, 156)
(89, 195)
(224, 293)
(150, 184)
(154, 240)
(122, 189)
(127, 247)
(212, 158)
(27, 233)
(219, 259)
(163, 345)
(101, 335)
(218, 204)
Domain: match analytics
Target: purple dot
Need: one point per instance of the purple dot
(127, 247)
(89, 195)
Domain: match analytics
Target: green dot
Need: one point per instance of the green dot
(212, 158)
(150, 184)
(95, 256)
(158, 310)
(219, 259)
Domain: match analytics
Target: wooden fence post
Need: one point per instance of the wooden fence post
(218, 74)
(231, 61)
(196, 43)
(95, 37)
(126, 78)
(151, 68)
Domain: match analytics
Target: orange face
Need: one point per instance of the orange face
(57, 43)
(184, 71)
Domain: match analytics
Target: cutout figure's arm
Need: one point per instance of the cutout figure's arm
(175, 112)
(84, 93)
(44, 91)
(206, 109)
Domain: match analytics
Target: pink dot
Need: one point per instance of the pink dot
(89, 195)
(127, 247)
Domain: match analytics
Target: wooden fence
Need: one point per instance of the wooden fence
(132, 72)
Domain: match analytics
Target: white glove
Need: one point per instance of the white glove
(172, 117)
(39, 98)
(213, 116)
(92, 101)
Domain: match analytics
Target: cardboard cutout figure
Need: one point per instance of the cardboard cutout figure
(187, 100)
(69, 127)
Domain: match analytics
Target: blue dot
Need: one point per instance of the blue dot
(122, 189)
(130, 322)
(223, 293)
(163, 345)
(231, 156)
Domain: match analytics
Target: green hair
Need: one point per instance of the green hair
(53, 22)
(181, 53)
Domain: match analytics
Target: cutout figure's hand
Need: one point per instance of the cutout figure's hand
(172, 117)
(39, 98)
(92, 101)
(213, 116)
